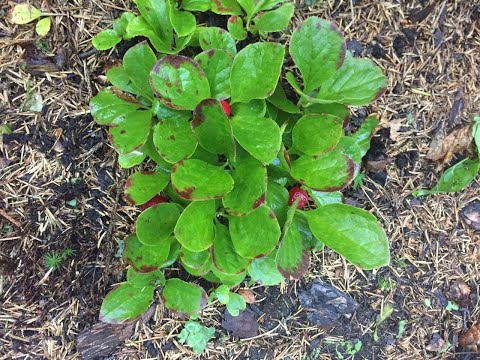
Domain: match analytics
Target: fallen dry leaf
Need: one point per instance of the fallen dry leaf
(248, 295)
(437, 344)
(37, 63)
(459, 292)
(443, 147)
(471, 215)
(471, 338)
(244, 325)
(455, 115)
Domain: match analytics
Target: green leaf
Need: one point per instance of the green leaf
(125, 303)
(183, 22)
(43, 26)
(325, 198)
(456, 178)
(358, 82)
(350, 147)
(476, 132)
(174, 139)
(225, 258)
(293, 255)
(141, 186)
(217, 65)
(155, 225)
(222, 293)
(131, 159)
(106, 107)
(363, 135)
(248, 6)
(138, 62)
(353, 233)
(183, 298)
(235, 304)
(255, 234)
(120, 25)
(195, 260)
(305, 130)
(130, 132)
(140, 280)
(196, 5)
(204, 269)
(332, 171)
(235, 28)
(226, 7)
(120, 79)
(145, 258)
(156, 13)
(216, 38)
(173, 253)
(212, 128)
(261, 137)
(250, 188)
(138, 26)
(194, 229)
(279, 99)
(165, 113)
(255, 71)
(197, 180)
(24, 13)
(277, 200)
(106, 39)
(264, 271)
(253, 108)
(339, 110)
(196, 335)
(228, 279)
(264, 5)
(275, 20)
(151, 151)
(318, 49)
(179, 82)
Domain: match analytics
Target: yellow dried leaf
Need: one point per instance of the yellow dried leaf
(43, 26)
(24, 13)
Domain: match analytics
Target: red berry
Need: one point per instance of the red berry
(157, 199)
(226, 107)
(295, 193)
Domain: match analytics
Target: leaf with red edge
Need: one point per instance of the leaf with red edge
(145, 258)
(224, 256)
(142, 186)
(183, 298)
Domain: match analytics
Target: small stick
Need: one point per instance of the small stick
(10, 218)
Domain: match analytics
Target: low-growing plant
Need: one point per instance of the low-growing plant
(250, 181)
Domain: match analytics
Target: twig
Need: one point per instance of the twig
(10, 218)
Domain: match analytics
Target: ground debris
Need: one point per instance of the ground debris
(418, 15)
(37, 63)
(248, 295)
(459, 292)
(244, 325)
(455, 115)
(471, 338)
(471, 215)
(437, 344)
(325, 304)
(442, 148)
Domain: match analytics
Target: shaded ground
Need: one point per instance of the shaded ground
(60, 155)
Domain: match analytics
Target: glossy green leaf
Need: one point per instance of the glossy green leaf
(317, 134)
(140, 280)
(332, 171)
(120, 79)
(212, 127)
(151, 151)
(353, 233)
(179, 82)
(250, 188)
(24, 13)
(125, 303)
(173, 253)
(293, 255)
(195, 260)
(195, 229)
(476, 132)
(106, 107)
(130, 132)
(350, 147)
(224, 256)
(456, 178)
(120, 24)
(253, 108)
(226, 7)
(325, 198)
(155, 225)
(137, 63)
(165, 113)
(255, 234)
(106, 39)
(131, 159)
(196, 5)
(141, 186)
(196, 335)
(235, 28)
(203, 270)
(275, 20)
(318, 49)
(183, 22)
(138, 26)
(264, 271)
(248, 6)
(156, 14)
(216, 38)
(174, 139)
(197, 180)
(264, 5)
(339, 110)
(261, 137)
(277, 200)
(364, 134)
(229, 279)
(255, 71)
(358, 82)
(145, 258)
(279, 99)
(235, 304)
(43, 26)
(183, 298)
(217, 65)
